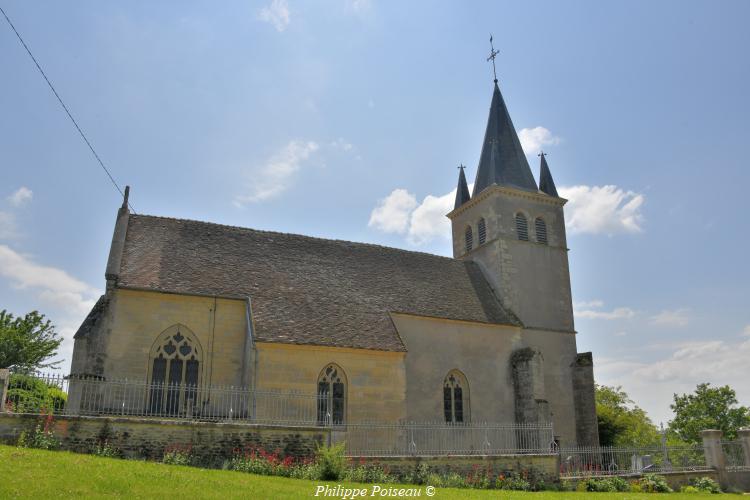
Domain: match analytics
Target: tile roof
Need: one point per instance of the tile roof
(306, 290)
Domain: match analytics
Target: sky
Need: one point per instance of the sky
(347, 119)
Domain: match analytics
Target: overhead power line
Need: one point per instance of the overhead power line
(67, 111)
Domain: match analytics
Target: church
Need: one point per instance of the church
(377, 333)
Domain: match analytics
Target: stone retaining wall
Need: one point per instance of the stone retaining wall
(211, 442)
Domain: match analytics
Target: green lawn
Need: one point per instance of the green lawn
(26, 473)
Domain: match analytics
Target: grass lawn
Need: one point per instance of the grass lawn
(26, 473)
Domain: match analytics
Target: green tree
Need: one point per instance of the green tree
(707, 408)
(27, 342)
(621, 421)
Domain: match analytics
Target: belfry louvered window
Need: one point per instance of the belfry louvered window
(522, 227)
(541, 230)
(482, 230)
(469, 235)
(331, 396)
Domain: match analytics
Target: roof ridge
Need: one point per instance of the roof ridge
(296, 235)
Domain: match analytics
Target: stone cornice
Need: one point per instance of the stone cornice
(517, 193)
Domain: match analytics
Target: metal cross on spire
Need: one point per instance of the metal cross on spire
(492, 55)
(542, 153)
(461, 166)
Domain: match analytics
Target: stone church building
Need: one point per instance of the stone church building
(378, 333)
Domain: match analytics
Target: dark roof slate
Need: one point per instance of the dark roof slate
(502, 161)
(306, 290)
(462, 190)
(546, 184)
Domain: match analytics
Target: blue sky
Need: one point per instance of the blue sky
(346, 119)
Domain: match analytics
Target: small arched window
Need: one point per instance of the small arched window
(469, 236)
(541, 230)
(455, 397)
(176, 358)
(331, 396)
(482, 230)
(522, 227)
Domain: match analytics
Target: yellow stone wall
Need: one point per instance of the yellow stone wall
(137, 318)
(375, 380)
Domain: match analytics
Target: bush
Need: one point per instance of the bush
(606, 484)
(689, 489)
(512, 482)
(654, 483)
(178, 455)
(41, 436)
(28, 394)
(705, 485)
(331, 461)
(104, 449)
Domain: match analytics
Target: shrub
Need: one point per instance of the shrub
(104, 449)
(435, 480)
(606, 484)
(454, 480)
(27, 394)
(41, 436)
(654, 483)
(331, 461)
(689, 489)
(419, 475)
(178, 455)
(512, 482)
(706, 485)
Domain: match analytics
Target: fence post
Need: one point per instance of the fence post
(743, 435)
(715, 453)
(4, 381)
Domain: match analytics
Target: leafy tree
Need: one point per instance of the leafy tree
(707, 408)
(27, 342)
(621, 421)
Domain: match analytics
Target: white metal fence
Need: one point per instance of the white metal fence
(617, 461)
(734, 455)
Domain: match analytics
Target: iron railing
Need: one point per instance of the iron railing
(734, 456)
(74, 395)
(441, 439)
(614, 460)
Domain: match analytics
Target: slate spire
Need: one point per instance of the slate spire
(546, 184)
(462, 191)
(502, 161)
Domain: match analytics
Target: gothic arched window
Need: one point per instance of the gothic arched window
(455, 397)
(482, 230)
(175, 363)
(469, 236)
(331, 396)
(522, 227)
(541, 230)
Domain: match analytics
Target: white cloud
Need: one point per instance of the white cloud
(24, 273)
(393, 212)
(276, 14)
(21, 196)
(591, 310)
(65, 299)
(274, 177)
(746, 331)
(532, 139)
(671, 318)
(342, 145)
(422, 222)
(651, 384)
(602, 209)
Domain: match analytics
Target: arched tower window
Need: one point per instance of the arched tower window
(522, 227)
(541, 230)
(331, 396)
(469, 235)
(455, 397)
(175, 363)
(482, 230)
